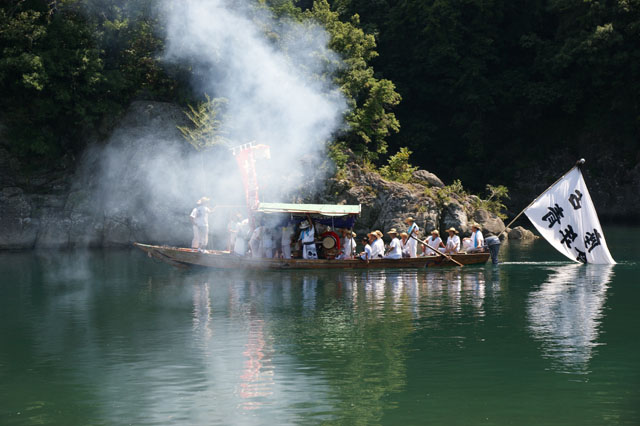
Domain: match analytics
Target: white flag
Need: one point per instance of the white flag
(564, 215)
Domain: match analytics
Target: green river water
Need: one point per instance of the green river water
(112, 337)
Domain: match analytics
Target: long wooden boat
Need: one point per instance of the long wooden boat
(185, 257)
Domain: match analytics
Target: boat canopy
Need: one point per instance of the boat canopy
(303, 209)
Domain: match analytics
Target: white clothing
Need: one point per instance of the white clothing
(377, 249)
(201, 215)
(412, 243)
(200, 237)
(395, 250)
(467, 244)
(477, 239)
(367, 253)
(405, 248)
(287, 232)
(307, 237)
(254, 242)
(348, 246)
(240, 246)
(433, 242)
(453, 244)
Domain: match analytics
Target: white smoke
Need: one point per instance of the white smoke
(277, 77)
(279, 89)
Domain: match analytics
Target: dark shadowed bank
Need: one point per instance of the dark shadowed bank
(139, 186)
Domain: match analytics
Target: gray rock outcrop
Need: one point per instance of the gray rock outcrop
(520, 233)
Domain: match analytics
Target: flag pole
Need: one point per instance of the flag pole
(578, 164)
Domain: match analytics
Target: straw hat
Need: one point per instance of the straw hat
(435, 231)
(203, 200)
(475, 225)
(409, 219)
(353, 234)
(304, 224)
(378, 233)
(452, 229)
(372, 234)
(392, 231)
(404, 234)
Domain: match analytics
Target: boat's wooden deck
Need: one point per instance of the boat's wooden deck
(182, 257)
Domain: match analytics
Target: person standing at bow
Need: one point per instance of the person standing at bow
(412, 243)
(199, 218)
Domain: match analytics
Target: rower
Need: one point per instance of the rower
(434, 241)
(412, 232)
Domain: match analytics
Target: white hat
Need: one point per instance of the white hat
(304, 224)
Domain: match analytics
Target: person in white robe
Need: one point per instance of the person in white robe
(395, 249)
(255, 243)
(308, 240)
(373, 238)
(413, 231)
(199, 218)
(477, 239)
(267, 242)
(240, 246)
(366, 254)
(453, 242)
(434, 241)
(287, 233)
(377, 247)
(404, 243)
(232, 228)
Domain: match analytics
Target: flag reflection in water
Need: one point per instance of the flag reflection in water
(256, 379)
(565, 314)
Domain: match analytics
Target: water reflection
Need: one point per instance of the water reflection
(565, 313)
(160, 345)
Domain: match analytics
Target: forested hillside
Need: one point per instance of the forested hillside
(494, 86)
(490, 91)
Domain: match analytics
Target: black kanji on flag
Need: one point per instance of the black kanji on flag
(568, 236)
(575, 198)
(554, 215)
(582, 256)
(592, 240)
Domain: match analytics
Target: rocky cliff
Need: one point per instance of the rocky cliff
(140, 185)
(386, 204)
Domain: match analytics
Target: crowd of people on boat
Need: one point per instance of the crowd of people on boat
(304, 238)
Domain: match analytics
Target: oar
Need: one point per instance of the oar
(438, 252)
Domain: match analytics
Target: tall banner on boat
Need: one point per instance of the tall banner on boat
(565, 216)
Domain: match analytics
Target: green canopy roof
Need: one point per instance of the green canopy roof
(321, 209)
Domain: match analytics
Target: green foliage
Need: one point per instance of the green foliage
(370, 98)
(63, 69)
(337, 151)
(206, 130)
(444, 195)
(503, 80)
(398, 168)
(494, 202)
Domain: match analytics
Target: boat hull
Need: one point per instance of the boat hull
(183, 257)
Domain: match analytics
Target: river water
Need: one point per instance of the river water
(112, 337)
